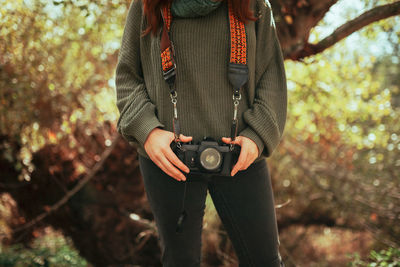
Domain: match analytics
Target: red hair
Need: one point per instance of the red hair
(241, 8)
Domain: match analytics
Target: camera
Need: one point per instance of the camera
(207, 156)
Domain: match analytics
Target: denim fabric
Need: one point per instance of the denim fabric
(245, 204)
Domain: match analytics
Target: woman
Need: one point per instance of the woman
(194, 40)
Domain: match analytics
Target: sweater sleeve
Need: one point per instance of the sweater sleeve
(266, 118)
(137, 113)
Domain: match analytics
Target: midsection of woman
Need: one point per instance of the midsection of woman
(202, 50)
(205, 104)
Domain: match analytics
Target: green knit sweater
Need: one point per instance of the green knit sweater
(193, 8)
(205, 105)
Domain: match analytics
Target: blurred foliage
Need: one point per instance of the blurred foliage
(56, 69)
(51, 250)
(383, 258)
(339, 160)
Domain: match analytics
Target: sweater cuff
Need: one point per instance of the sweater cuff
(140, 130)
(250, 133)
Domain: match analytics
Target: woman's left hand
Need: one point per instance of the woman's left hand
(248, 152)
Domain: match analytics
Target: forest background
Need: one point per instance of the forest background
(71, 193)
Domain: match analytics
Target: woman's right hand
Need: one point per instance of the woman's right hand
(157, 146)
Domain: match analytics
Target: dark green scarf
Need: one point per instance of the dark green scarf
(193, 8)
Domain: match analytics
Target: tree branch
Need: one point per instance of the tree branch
(74, 190)
(373, 15)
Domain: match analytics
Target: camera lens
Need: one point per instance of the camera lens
(210, 158)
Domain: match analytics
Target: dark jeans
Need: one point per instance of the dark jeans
(245, 204)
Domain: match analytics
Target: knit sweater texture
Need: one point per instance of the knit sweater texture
(193, 8)
(204, 94)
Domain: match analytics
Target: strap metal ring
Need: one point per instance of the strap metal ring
(178, 144)
(237, 98)
(231, 146)
(174, 95)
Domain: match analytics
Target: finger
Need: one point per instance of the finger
(171, 156)
(249, 159)
(242, 157)
(240, 163)
(248, 163)
(226, 140)
(160, 165)
(157, 161)
(248, 154)
(171, 168)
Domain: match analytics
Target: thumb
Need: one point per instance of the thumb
(185, 138)
(228, 140)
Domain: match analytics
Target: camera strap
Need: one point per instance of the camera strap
(237, 74)
(237, 67)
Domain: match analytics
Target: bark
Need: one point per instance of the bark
(296, 18)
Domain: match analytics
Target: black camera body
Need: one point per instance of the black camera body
(207, 157)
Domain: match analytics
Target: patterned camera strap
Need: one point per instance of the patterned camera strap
(237, 58)
(238, 39)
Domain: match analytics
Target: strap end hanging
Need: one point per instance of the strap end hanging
(181, 220)
(182, 217)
